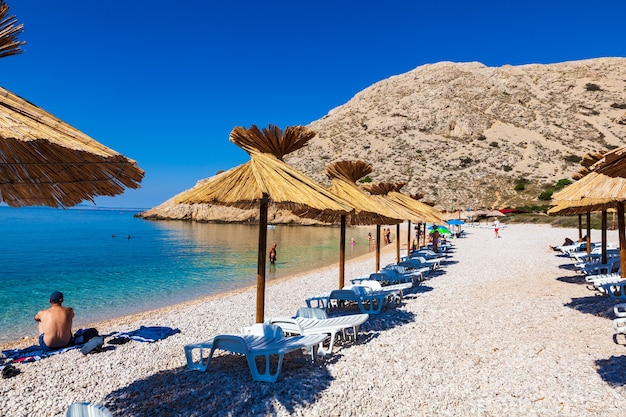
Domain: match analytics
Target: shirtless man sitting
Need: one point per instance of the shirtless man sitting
(55, 324)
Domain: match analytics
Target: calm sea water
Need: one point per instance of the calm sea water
(109, 263)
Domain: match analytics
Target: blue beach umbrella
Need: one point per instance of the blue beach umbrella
(455, 222)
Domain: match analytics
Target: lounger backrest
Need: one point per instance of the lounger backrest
(311, 313)
(374, 285)
(269, 331)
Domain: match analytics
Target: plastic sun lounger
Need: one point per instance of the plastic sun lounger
(390, 276)
(262, 340)
(369, 302)
(85, 409)
(315, 321)
(615, 290)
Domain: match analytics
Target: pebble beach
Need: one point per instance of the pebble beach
(507, 328)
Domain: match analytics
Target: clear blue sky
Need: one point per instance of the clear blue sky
(164, 83)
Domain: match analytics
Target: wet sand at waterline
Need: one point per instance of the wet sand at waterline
(506, 329)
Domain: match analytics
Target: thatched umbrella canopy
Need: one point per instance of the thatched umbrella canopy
(595, 192)
(9, 31)
(267, 179)
(612, 163)
(388, 194)
(344, 175)
(46, 162)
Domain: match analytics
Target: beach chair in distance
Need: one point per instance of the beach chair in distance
(619, 325)
(368, 301)
(619, 310)
(615, 290)
(85, 409)
(396, 291)
(316, 321)
(261, 340)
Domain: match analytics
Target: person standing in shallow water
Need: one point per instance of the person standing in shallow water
(272, 254)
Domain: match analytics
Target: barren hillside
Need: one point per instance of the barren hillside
(464, 134)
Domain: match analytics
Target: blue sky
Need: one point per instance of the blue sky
(164, 83)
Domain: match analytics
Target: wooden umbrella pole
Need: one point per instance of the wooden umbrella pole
(408, 239)
(260, 276)
(398, 243)
(342, 252)
(604, 226)
(580, 227)
(588, 232)
(622, 237)
(377, 248)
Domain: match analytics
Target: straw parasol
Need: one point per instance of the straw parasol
(9, 31)
(595, 192)
(343, 176)
(46, 162)
(267, 179)
(389, 195)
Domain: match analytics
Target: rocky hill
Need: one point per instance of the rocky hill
(464, 134)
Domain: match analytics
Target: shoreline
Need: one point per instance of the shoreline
(105, 326)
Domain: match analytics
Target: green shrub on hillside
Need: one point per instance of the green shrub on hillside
(562, 183)
(546, 195)
(573, 158)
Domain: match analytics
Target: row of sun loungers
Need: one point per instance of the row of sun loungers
(311, 329)
(605, 279)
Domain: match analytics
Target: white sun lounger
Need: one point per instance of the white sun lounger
(315, 321)
(261, 339)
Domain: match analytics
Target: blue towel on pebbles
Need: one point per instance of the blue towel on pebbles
(148, 333)
(33, 353)
(143, 334)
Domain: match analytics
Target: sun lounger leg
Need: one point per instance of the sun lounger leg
(267, 375)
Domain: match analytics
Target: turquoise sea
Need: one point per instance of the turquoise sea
(109, 263)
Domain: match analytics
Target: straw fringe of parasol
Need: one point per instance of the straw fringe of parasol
(245, 186)
(343, 176)
(612, 164)
(9, 31)
(44, 161)
(389, 195)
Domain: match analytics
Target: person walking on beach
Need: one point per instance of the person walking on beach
(55, 324)
(496, 227)
(272, 254)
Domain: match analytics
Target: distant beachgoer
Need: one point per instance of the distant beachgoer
(369, 239)
(55, 324)
(566, 242)
(496, 227)
(435, 238)
(272, 254)
(352, 241)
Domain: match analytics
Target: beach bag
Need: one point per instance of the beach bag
(83, 336)
(93, 345)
